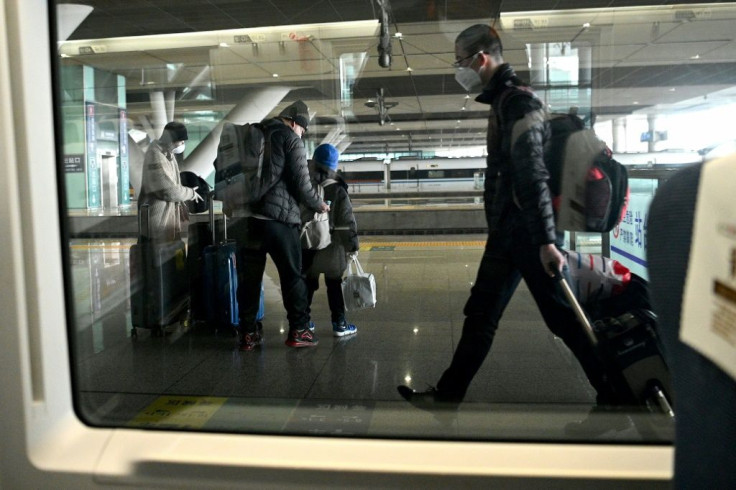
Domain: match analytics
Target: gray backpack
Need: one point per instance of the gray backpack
(242, 168)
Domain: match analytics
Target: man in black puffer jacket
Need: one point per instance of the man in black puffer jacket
(522, 241)
(271, 226)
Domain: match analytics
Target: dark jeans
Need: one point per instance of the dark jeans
(510, 256)
(334, 289)
(255, 238)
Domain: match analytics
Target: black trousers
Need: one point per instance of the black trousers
(510, 256)
(255, 238)
(334, 288)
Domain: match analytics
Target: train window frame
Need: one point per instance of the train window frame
(43, 436)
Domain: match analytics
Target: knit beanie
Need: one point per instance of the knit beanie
(174, 131)
(327, 156)
(297, 112)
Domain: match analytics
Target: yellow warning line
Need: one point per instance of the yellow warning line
(474, 243)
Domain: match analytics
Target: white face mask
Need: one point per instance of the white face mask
(468, 78)
(178, 150)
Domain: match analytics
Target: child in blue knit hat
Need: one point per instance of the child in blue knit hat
(332, 260)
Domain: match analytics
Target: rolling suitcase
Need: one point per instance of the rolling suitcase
(158, 286)
(220, 279)
(628, 347)
(199, 237)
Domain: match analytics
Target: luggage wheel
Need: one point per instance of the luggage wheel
(657, 400)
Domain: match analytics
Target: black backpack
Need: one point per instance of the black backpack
(242, 169)
(590, 189)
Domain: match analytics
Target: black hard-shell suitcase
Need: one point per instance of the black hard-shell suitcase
(158, 284)
(199, 238)
(629, 349)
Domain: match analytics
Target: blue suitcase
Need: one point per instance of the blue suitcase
(220, 281)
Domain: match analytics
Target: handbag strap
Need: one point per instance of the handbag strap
(351, 262)
(358, 267)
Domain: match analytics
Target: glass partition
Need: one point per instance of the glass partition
(656, 83)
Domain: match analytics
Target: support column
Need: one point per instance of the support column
(619, 135)
(170, 101)
(585, 65)
(653, 121)
(538, 73)
(158, 111)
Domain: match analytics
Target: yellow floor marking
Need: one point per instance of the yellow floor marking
(190, 412)
(474, 243)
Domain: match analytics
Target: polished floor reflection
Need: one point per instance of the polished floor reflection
(530, 387)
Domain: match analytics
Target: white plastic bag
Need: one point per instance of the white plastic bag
(595, 277)
(358, 287)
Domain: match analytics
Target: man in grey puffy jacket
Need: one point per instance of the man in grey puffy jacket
(271, 226)
(522, 241)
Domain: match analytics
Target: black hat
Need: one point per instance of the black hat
(297, 112)
(174, 131)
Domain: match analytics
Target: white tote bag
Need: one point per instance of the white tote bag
(358, 287)
(315, 233)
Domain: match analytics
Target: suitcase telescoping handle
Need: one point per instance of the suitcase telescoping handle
(211, 211)
(144, 208)
(575, 305)
(212, 219)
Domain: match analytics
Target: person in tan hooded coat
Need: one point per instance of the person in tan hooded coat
(161, 185)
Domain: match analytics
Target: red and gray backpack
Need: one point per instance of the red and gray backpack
(590, 189)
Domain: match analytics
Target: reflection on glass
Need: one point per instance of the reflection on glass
(117, 90)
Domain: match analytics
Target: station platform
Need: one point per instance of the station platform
(529, 388)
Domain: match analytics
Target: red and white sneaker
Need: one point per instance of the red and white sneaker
(301, 338)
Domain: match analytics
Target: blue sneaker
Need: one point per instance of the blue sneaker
(343, 328)
(311, 327)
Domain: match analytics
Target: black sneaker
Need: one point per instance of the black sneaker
(301, 338)
(250, 341)
(428, 399)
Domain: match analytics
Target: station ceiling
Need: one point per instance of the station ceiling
(646, 58)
